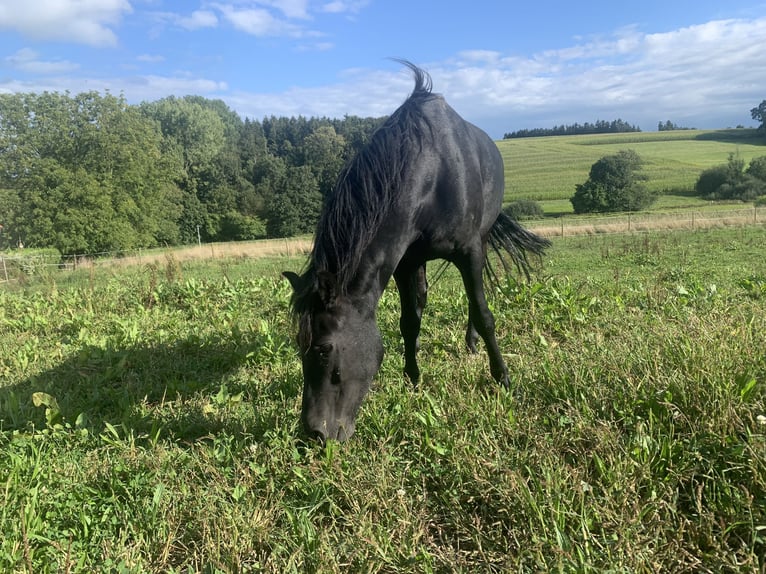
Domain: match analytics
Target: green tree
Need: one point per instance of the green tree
(757, 168)
(193, 138)
(87, 173)
(295, 204)
(322, 151)
(205, 135)
(614, 184)
(238, 227)
(758, 113)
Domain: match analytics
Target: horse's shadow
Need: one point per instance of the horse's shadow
(182, 387)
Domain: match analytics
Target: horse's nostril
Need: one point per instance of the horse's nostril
(344, 432)
(317, 435)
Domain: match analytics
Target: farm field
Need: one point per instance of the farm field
(546, 169)
(149, 421)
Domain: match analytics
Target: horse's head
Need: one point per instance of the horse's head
(341, 351)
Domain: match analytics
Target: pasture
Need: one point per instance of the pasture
(149, 421)
(546, 169)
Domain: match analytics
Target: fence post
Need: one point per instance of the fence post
(5, 269)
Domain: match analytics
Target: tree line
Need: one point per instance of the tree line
(599, 127)
(668, 126)
(91, 173)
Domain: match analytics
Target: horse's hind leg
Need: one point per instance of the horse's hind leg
(480, 317)
(413, 292)
(471, 337)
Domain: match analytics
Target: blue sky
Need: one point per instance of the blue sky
(503, 65)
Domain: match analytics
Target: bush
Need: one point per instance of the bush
(747, 188)
(757, 168)
(732, 181)
(711, 180)
(238, 227)
(524, 209)
(614, 184)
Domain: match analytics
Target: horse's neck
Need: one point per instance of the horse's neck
(372, 276)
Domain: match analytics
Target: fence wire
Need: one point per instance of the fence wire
(19, 265)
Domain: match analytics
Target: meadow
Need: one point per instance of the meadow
(546, 169)
(149, 421)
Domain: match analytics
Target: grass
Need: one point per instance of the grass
(548, 168)
(149, 422)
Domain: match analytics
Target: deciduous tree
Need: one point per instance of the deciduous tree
(758, 113)
(614, 184)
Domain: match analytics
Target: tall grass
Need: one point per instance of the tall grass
(148, 422)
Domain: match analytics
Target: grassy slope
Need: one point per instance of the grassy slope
(631, 441)
(547, 169)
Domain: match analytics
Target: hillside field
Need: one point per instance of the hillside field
(546, 169)
(149, 421)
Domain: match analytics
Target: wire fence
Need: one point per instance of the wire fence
(648, 221)
(20, 266)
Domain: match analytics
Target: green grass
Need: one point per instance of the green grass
(149, 422)
(548, 168)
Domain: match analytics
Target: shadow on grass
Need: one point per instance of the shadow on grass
(184, 388)
(743, 136)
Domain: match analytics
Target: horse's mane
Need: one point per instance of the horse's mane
(366, 188)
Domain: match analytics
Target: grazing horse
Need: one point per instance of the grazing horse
(428, 185)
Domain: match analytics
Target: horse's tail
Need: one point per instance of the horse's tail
(508, 238)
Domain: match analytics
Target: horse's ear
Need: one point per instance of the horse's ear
(294, 279)
(327, 286)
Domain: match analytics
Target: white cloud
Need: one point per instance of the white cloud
(79, 21)
(708, 75)
(290, 8)
(264, 18)
(700, 74)
(151, 58)
(136, 88)
(155, 87)
(258, 21)
(27, 60)
(198, 19)
(705, 76)
(344, 6)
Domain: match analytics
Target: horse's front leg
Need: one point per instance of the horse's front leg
(413, 292)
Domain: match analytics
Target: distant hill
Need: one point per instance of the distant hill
(548, 168)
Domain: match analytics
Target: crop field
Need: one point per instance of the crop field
(149, 421)
(546, 169)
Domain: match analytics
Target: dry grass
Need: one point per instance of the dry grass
(289, 247)
(648, 222)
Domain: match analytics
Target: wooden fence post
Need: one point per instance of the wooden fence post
(5, 269)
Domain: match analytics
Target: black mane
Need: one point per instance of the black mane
(366, 188)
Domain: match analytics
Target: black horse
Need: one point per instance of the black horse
(428, 185)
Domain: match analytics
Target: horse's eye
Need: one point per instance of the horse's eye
(323, 351)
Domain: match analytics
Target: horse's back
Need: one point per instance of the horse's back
(460, 175)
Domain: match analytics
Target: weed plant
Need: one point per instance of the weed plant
(149, 422)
